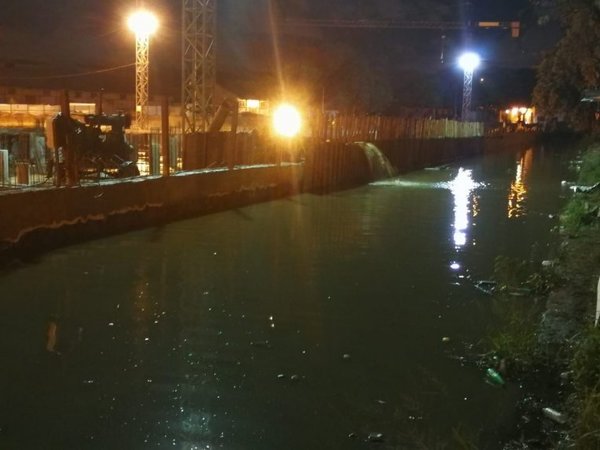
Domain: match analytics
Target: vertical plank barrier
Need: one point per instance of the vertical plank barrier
(164, 137)
(4, 180)
(72, 170)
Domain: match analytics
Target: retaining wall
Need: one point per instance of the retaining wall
(35, 220)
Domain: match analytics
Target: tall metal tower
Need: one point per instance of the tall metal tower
(198, 70)
(143, 24)
(141, 79)
(468, 62)
(467, 93)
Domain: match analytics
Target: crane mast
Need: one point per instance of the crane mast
(198, 70)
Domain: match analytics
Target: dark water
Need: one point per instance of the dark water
(287, 325)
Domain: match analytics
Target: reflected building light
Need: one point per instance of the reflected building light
(517, 195)
(461, 188)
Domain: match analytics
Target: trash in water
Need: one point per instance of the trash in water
(586, 189)
(554, 415)
(295, 377)
(352, 435)
(375, 437)
(486, 286)
(445, 339)
(442, 167)
(494, 377)
(519, 292)
(280, 376)
(547, 263)
(346, 356)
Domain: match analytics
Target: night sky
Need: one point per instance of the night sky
(37, 39)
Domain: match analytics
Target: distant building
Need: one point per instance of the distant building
(29, 108)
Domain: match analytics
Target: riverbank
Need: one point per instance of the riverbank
(551, 346)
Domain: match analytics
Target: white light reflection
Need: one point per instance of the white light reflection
(461, 188)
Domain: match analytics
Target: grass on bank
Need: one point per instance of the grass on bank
(581, 219)
(583, 209)
(578, 270)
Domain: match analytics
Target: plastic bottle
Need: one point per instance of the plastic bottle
(494, 377)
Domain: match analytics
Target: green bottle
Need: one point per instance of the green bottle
(494, 377)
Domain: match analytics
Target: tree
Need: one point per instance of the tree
(572, 66)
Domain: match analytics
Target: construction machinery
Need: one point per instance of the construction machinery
(97, 144)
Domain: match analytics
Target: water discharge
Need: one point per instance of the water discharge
(305, 323)
(379, 165)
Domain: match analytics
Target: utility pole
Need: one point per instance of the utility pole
(199, 24)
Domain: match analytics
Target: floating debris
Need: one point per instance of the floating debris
(586, 189)
(486, 286)
(442, 167)
(445, 339)
(280, 376)
(554, 415)
(295, 378)
(597, 303)
(346, 356)
(375, 437)
(494, 377)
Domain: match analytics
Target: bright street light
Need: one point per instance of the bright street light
(143, 23)
(468, 62)
(286, 120)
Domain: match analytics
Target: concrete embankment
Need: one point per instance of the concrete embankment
(34, 220)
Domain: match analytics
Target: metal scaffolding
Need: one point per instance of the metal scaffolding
(198, 63)
(141, 79)
(467, 93)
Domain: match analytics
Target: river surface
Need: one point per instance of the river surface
(303, 323)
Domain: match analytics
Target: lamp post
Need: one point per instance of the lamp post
(143, 23)
(468, 62)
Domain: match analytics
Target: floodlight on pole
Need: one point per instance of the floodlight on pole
(468, 62)
(144, 24)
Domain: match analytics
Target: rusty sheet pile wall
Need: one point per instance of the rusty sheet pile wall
(349, 128)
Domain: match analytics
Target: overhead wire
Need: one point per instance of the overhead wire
(70, 75)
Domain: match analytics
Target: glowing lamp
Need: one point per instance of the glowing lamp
(469, 61)
(287, 120)
(253, 104)
(143, 23)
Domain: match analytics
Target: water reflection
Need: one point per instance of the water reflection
(188, 329)
(517, 195)
(461, 187)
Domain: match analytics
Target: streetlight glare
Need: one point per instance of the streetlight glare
(287, 120)
(469, 61)
(143, 23)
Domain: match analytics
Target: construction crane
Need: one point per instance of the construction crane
(513, 26)
(199, 26)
